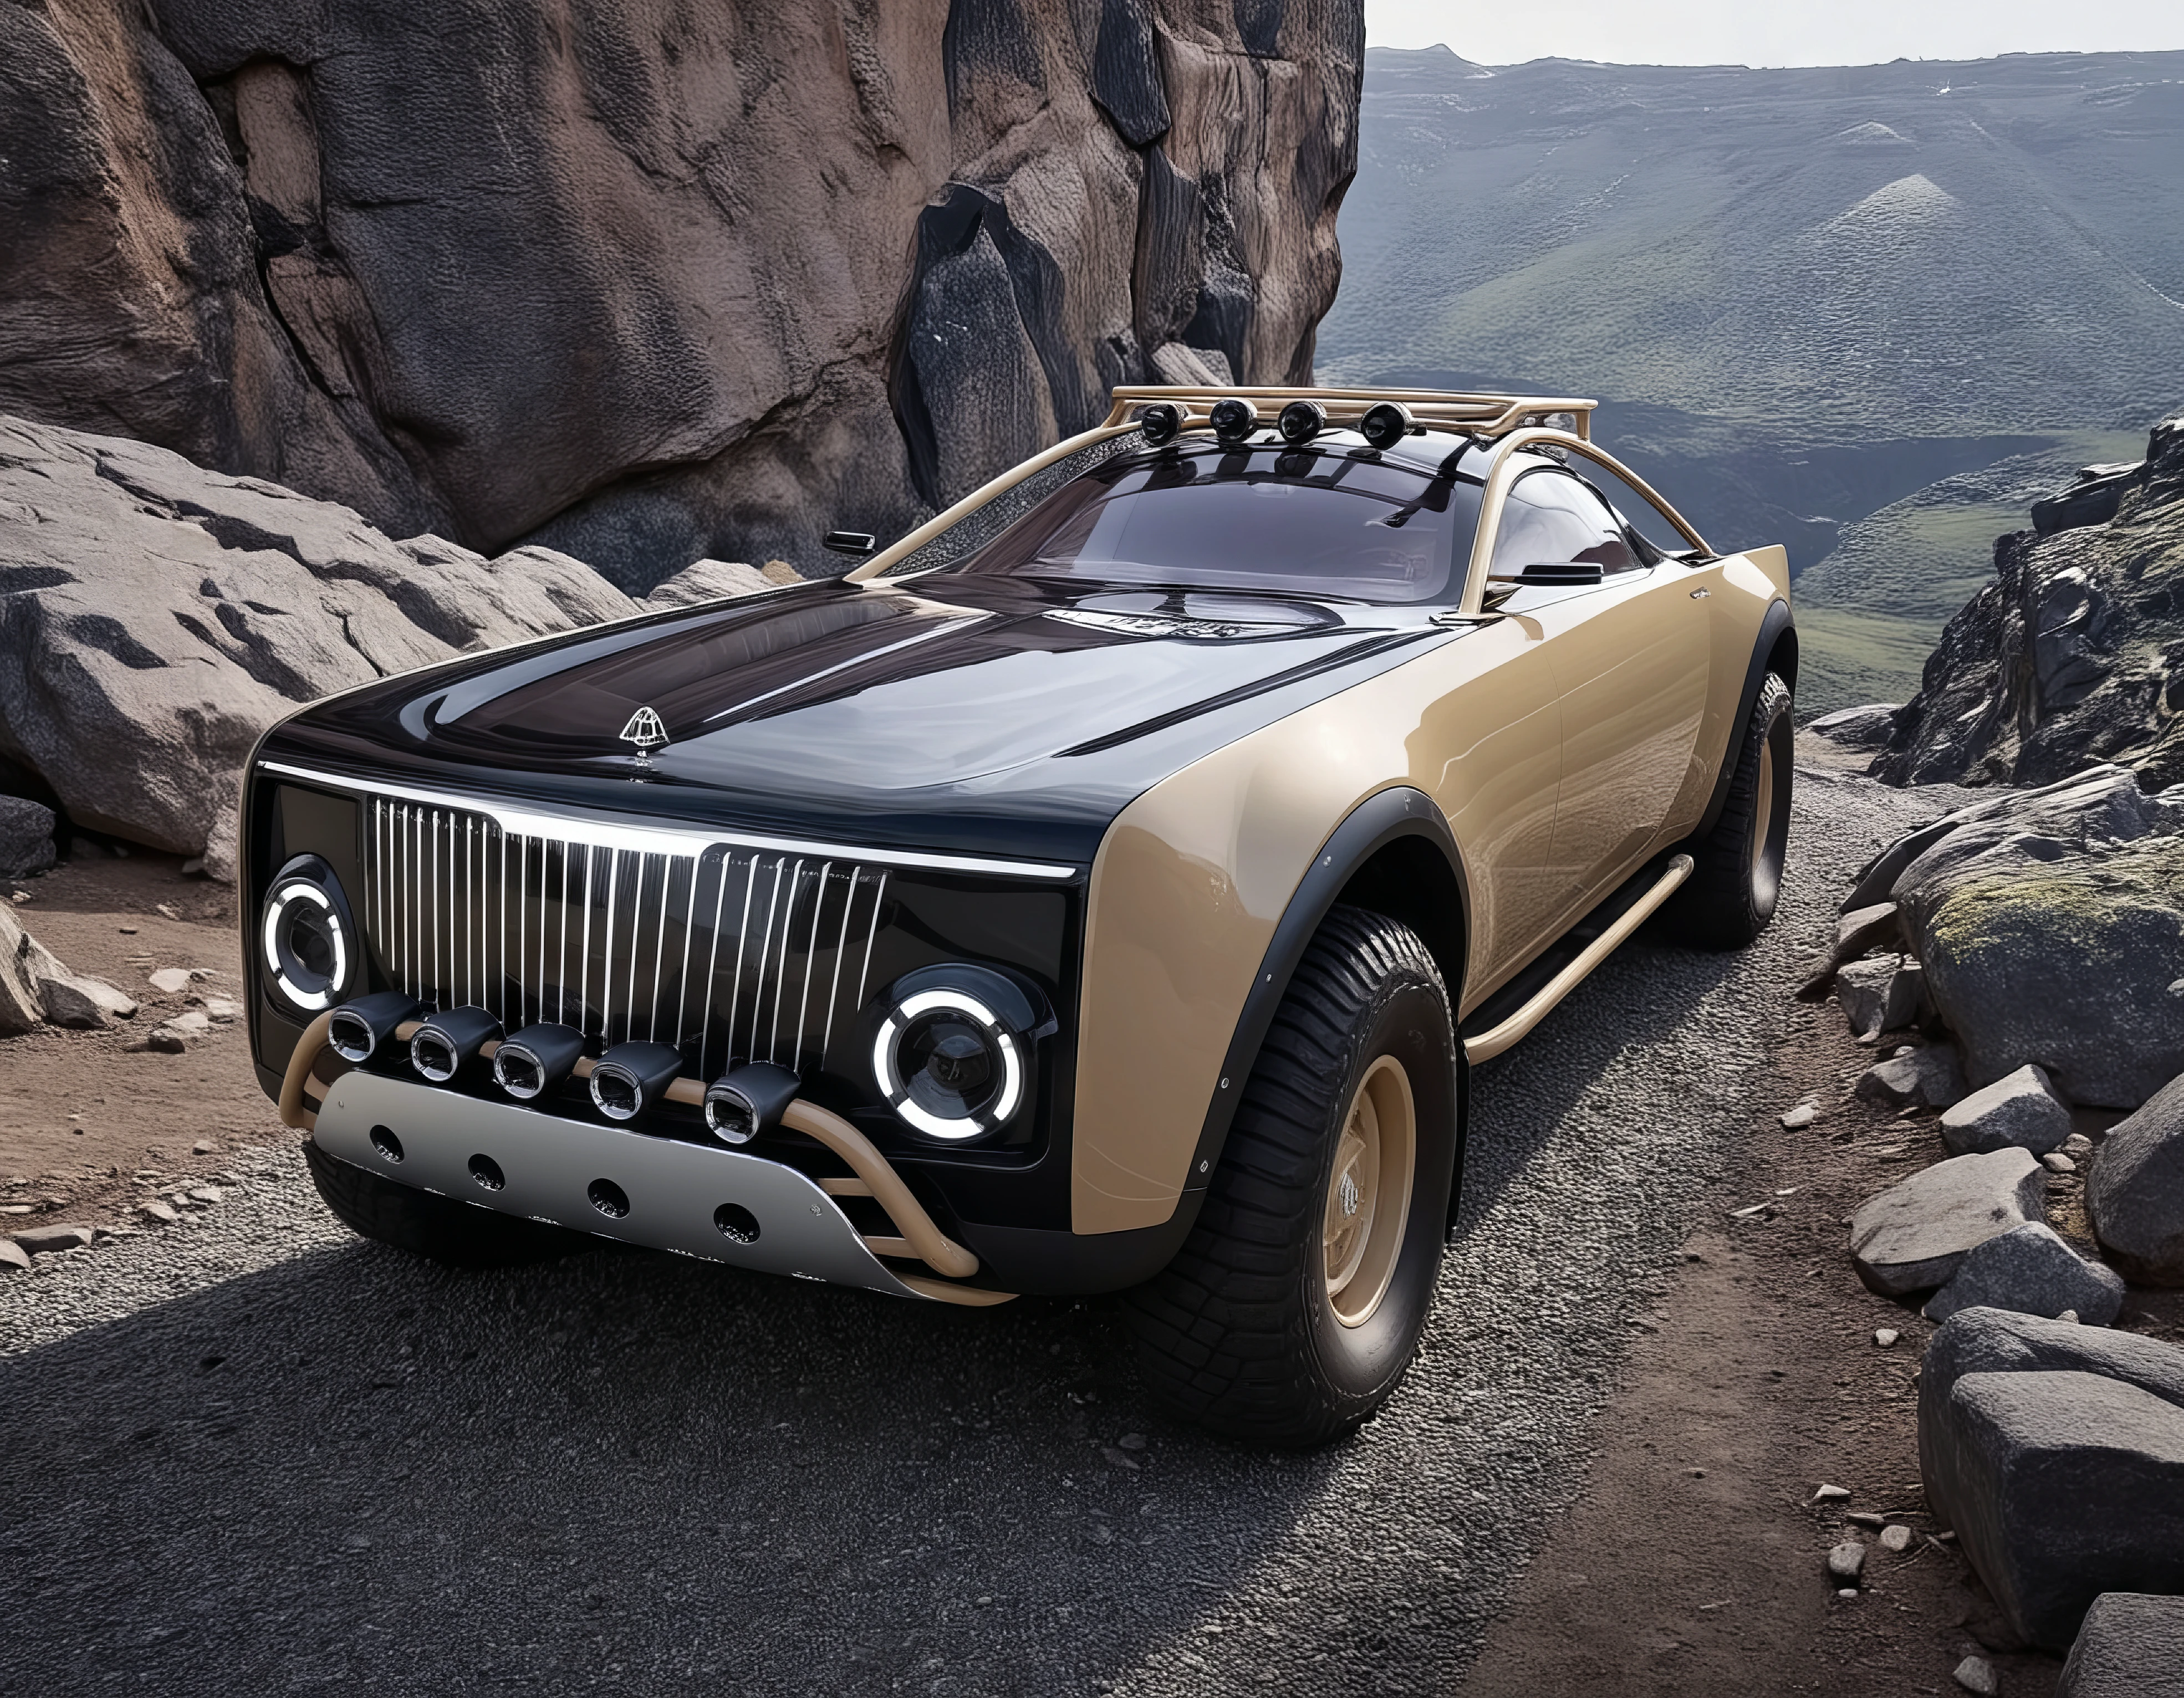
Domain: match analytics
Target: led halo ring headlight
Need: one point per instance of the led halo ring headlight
(309, 948)
(952, 1051)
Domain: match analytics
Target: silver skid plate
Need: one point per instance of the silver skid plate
(548, 1165)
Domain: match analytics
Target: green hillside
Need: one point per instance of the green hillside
(1868, 312)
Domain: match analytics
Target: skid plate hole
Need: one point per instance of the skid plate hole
(608, 1198)
(386, 1142)
(486, 1172)
(736, 1223)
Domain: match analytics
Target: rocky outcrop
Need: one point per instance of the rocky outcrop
(36, 989)
(2030, 1270)
(26, 837)
(2135, 1198)
(2050, 926)
(2131, 1646)
(2056, 1452)
(648, 286)
(2075, 654)
(157, 618)
(1913, 1236)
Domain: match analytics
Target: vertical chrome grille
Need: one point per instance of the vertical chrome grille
(732, 954)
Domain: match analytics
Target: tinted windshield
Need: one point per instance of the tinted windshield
(1301, 521)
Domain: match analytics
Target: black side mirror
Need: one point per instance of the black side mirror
(857, 543)
(1569, 572)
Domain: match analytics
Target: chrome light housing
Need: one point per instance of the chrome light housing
(309, 950)
(537, 1059)
(952, 1052)
(449, 1041)
(1233, 419)
(631, 1077)
(362, 1029)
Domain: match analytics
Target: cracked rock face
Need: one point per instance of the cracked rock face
(650, 284)
(158, 618)
(2075, 654)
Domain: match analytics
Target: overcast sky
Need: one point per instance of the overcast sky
(1737, 32)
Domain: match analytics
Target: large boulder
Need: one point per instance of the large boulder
(1867, 726)
(2030, 1271)
(2135, 1195)
(1913, 1236)
(2074, 653)
(2019, 1109)
(2131, 1646)
(2056, 1452)
(648, 288)
(36, 988)
(161, 617)
(2050, 924)
(26, 837)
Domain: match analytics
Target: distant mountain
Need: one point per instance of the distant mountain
(1807, 295)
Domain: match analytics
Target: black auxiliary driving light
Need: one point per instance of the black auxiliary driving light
(745, 1102)
(1233, 419)
(537, 1059)
(1385, 424)
(1160, 423)
(1301, 421)
(631, 1077)
(362, 1029)
(449, 1041)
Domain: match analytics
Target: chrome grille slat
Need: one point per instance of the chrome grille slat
(700, 950)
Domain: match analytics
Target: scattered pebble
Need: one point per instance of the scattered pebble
(1847, 1591)
(2077, 1146)
(1976, 1674)
(1848, 1561)
(165, 1042)
(1859, 1518)
(1121, 1458)
(168, 910)
(203, 1146)
(162, 1212)
(13, 1254)
(1886, 1337)
(222, 1009)
(44, 1240)
(2056, 1162)
(1831, 1494)
(1132, 1441)
(170, 981)
(206, 1193)
(2069, 1315)
(128, 931)
(1747, 1214)
(1804, 1115)
(1896, 1538)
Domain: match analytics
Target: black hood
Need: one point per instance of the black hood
(990, 715)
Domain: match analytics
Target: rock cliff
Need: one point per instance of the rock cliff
(2074, 653)
(646, 282)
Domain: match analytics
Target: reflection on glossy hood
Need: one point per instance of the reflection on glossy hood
(942, 711)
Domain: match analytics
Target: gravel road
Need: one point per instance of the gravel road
(253, 1454)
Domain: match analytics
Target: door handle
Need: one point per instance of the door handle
(1701, 594)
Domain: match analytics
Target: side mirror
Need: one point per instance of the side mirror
(857, 543)
(1569, 572)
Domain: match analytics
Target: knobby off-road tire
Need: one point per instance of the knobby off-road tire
(440, 1228)
(1731, 895)
(1252, 1330)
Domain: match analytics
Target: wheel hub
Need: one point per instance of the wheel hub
(1369, 1193)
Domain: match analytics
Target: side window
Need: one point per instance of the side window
(1551, 519)
(1650, 524)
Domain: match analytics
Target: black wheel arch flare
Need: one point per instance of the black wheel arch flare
(1395, 855)
(1775, 651)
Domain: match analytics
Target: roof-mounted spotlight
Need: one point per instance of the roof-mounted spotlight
(1301, 421)
(1385, 424)
(1233, 419)
(1162, 423)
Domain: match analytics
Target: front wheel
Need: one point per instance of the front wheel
(1731, 895)
(1295, 1305)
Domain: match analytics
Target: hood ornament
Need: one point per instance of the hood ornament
(647, 732)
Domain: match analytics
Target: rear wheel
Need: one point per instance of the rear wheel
(1294, 1306)
(461, 1235)
(1731, 896)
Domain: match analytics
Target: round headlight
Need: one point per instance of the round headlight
(308, 942)
(952, 1054)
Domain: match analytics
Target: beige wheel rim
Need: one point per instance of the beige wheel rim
(1369, 1193)
(1763, 805)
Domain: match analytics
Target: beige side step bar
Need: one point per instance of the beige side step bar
(1491, 1044)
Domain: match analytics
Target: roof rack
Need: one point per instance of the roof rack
(1485, 415)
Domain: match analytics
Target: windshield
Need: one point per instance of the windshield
(1309, 522)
